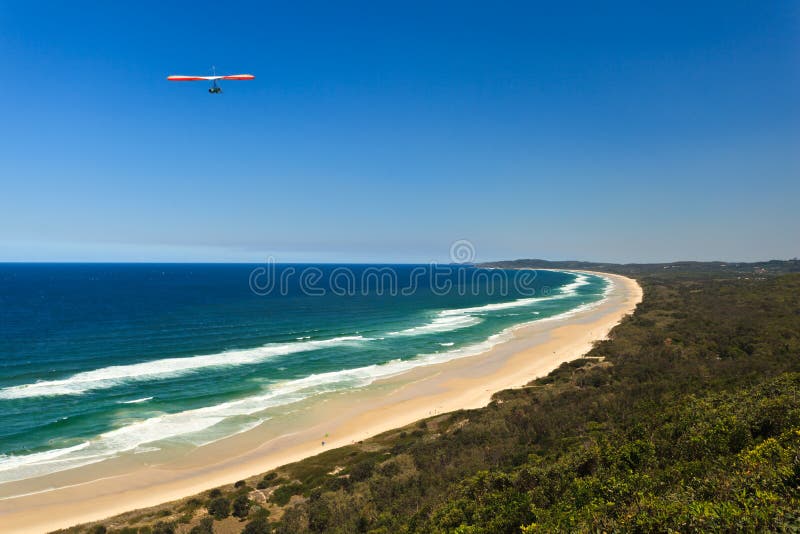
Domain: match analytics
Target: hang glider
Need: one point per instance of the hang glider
(215, 88)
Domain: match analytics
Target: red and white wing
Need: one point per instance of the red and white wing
(178, 78)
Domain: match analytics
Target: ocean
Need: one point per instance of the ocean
(103, 360)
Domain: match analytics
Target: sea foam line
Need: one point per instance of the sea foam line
(136, 401)
(442, 323)
(108, 377)
(567, 290)
(454, 319)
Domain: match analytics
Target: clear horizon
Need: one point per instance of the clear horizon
(384, 133)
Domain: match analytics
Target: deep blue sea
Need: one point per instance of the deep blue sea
(97, 360)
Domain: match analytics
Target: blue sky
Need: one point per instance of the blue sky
(382, 131)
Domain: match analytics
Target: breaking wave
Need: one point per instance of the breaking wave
(108, 377)
(188, 424)
(454, 319)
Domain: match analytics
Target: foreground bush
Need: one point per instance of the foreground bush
(219, 508)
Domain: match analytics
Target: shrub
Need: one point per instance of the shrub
(163, 527)
(259, 513)
(206, 526)
(241, 506)
(361, 471)
(220, 508)
(268, 480)
(282, 495)
(319, 516)
(258, 525)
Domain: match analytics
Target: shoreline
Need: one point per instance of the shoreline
(534, 350)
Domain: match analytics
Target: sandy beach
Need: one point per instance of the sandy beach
(100, 490)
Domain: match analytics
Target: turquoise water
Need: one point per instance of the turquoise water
(98, 360)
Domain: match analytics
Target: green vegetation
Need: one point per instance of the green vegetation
(163, 527)
(205, 526)
(219, 508)
(282, 495)
(259, 525)
(241, 506)
(687, 419)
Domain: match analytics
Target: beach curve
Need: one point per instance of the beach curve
(533, 350)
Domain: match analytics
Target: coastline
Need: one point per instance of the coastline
(469, 382)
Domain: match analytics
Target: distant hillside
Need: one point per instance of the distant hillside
(680, 268)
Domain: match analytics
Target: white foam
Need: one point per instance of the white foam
(454, 319)
(493, 307)
(107, 377)
(136, 401)
(39, 463)
(571, 288)
(442, 323)
(159, 428)
(609, 287)
(567, 290)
